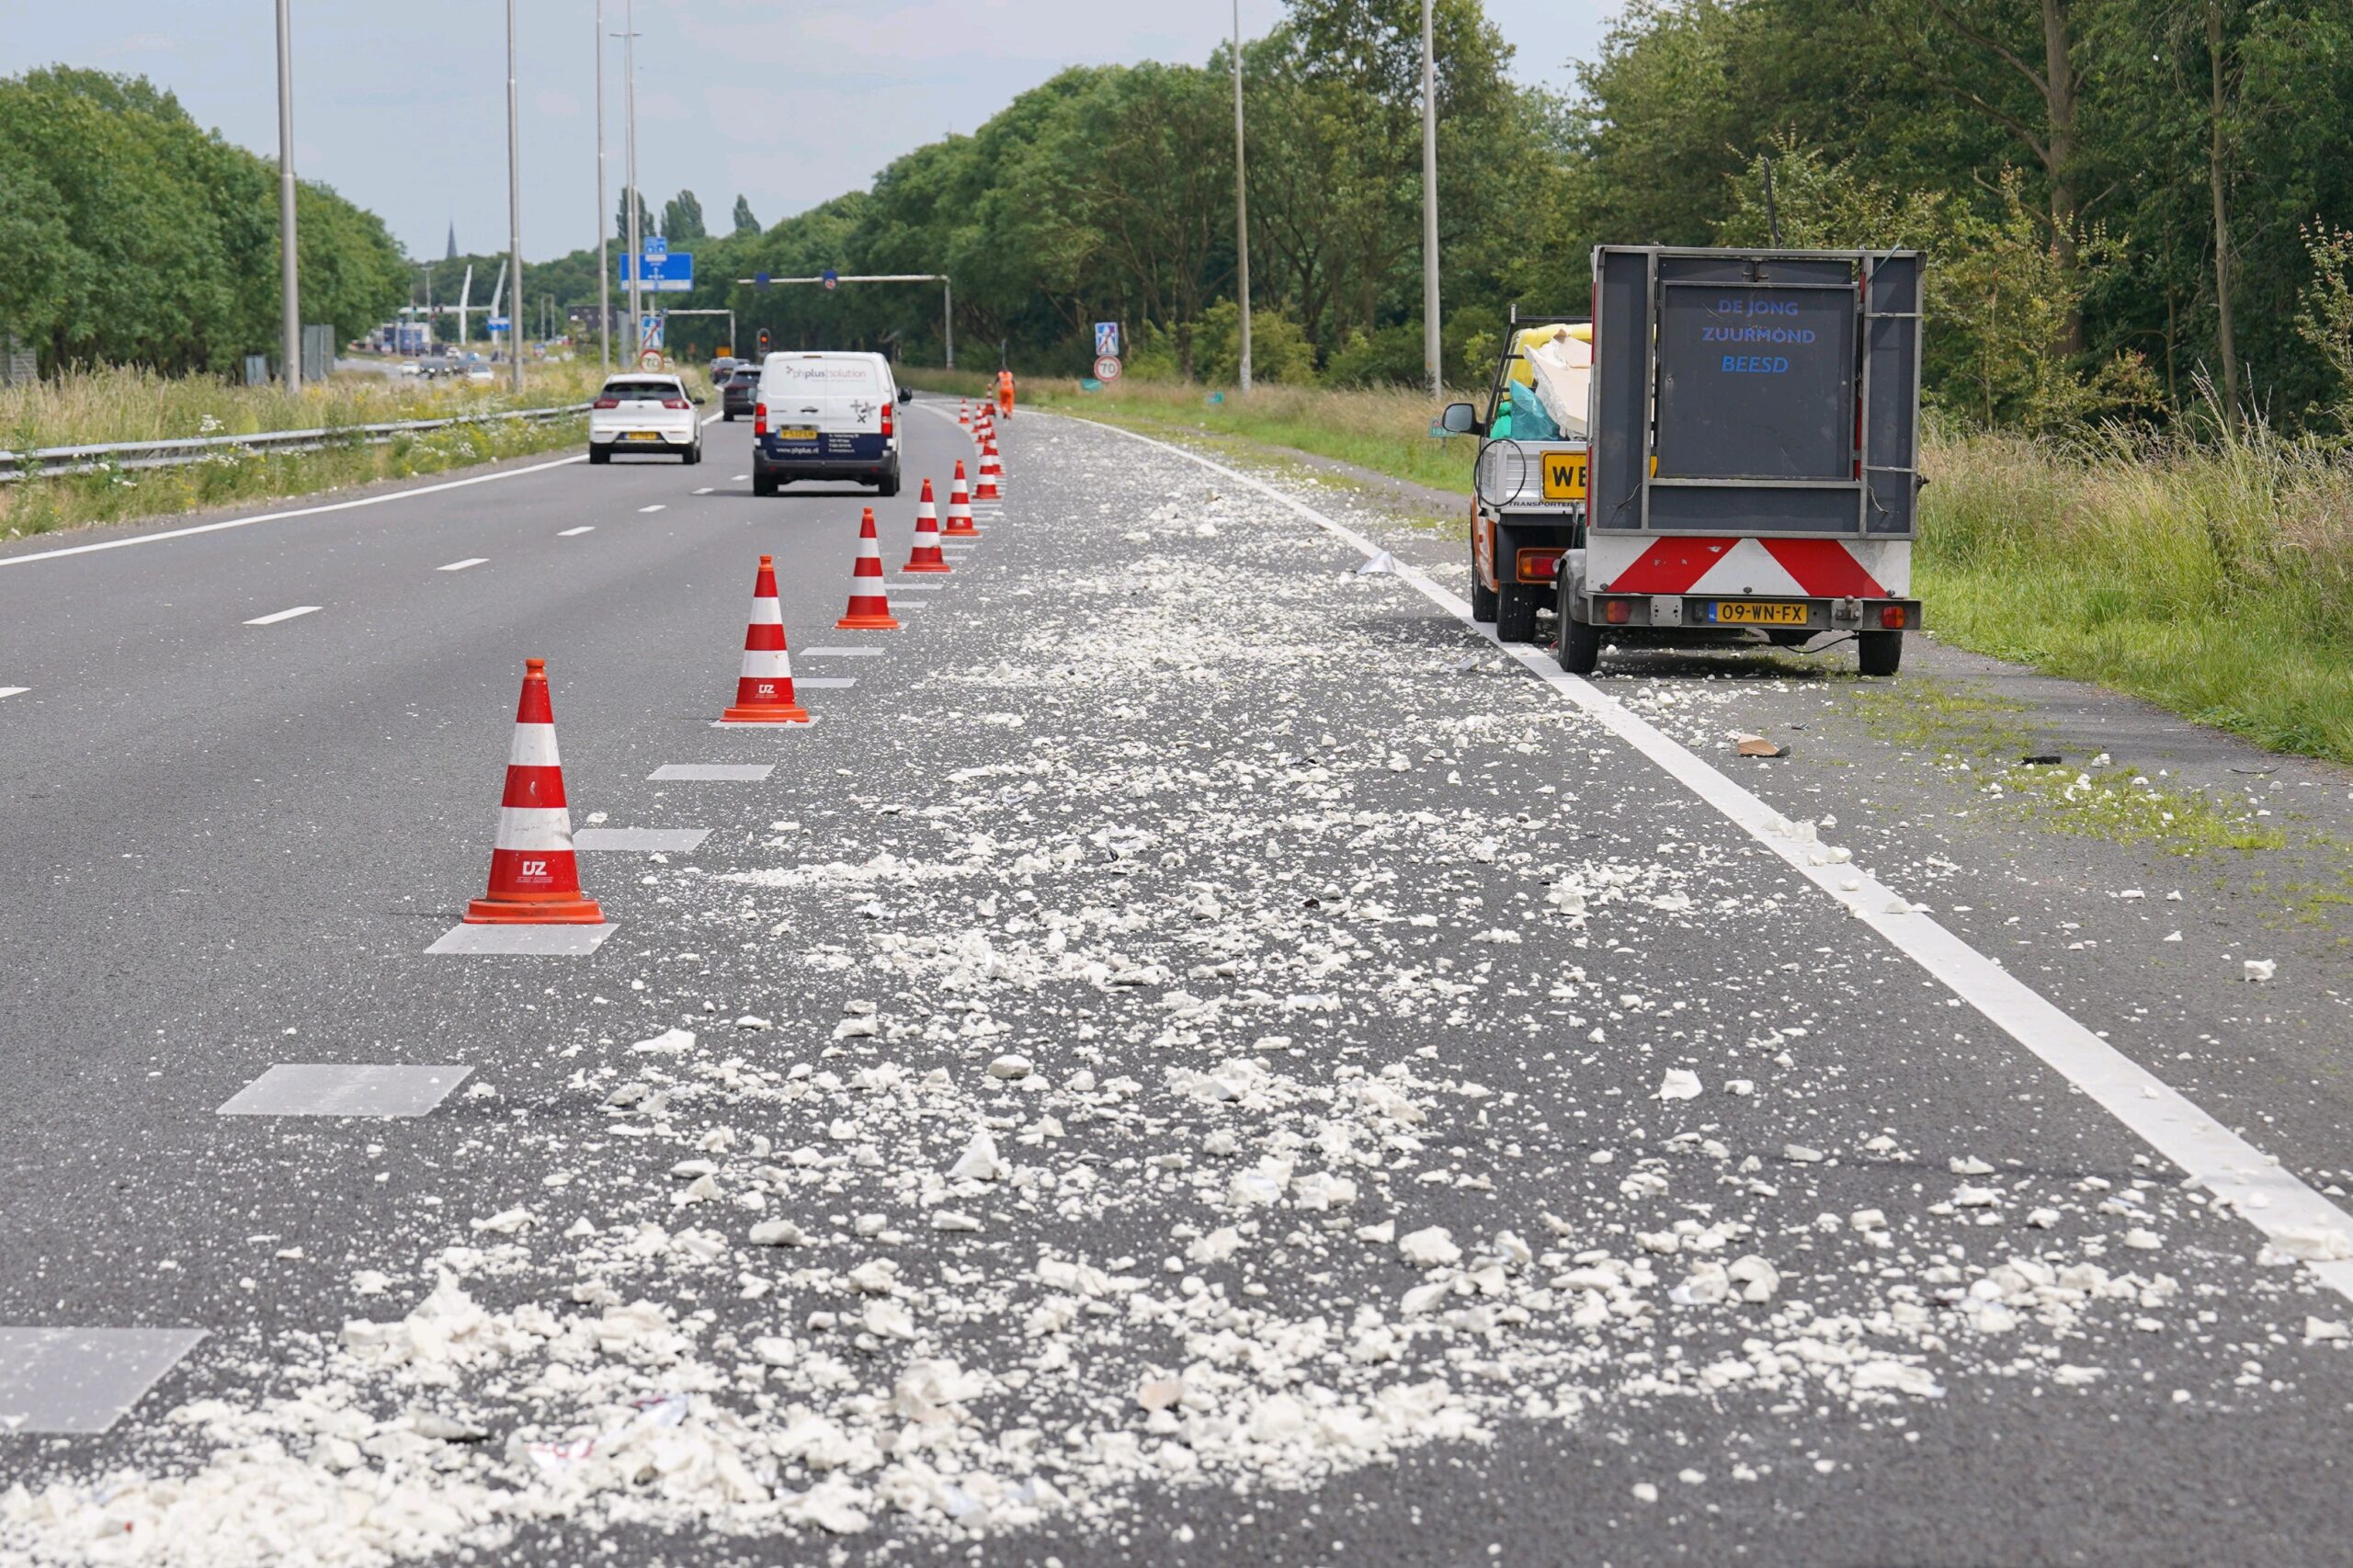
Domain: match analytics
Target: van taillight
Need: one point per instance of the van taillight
(606, 403)
(759, 419)
(886, 419)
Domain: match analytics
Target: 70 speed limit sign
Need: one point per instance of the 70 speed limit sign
(1106, 369)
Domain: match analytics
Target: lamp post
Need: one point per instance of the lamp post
(629, 133)
(1430, 350)
(604, 266)
(513, 217)
(1241, 202)
(289, 304)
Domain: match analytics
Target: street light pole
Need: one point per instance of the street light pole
(515, 317)
(291, 305)
(1430, 350)
(1240, 202)
(628, 113)
(604, 266)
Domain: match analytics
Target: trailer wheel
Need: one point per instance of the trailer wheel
(1482, 597)
(1514, 614)
(1580, 645)
(1878, 652)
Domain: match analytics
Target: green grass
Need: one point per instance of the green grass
(125, 403)
(1984, 739)
(2215, 581)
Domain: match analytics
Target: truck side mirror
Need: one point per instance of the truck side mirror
(1461, 419)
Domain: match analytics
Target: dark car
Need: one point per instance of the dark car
(741, 393)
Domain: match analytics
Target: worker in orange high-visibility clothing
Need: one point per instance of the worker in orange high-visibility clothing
(1005, 393)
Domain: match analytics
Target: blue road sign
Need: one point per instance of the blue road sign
(663, 274)
(760, 279)
(1106, 339)
(497, 323)
(833, 279)
(656, 244)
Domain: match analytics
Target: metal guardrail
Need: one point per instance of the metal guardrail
(46, 462)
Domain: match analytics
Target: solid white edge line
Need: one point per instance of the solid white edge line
(461, 565)
(296, 512)
(272, 619)
(2241, 1176)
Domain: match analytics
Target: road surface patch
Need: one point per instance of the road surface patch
(901, 585)
(345, 1088)
(461, 565)
(69, 1382)
(826, 683)
(639, 840)
(523, 941)
(2300, 1223)
(825, 653)
(274, 617)
(713, 772)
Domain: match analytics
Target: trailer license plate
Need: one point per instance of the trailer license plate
(1752, 612)
(1564, 476)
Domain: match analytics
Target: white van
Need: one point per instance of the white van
(825, 417)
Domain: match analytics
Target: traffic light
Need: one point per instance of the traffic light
(764, 340)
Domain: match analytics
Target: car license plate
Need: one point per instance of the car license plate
(643, 436)
(796, 433)
(1564, 476)
(1752, 612)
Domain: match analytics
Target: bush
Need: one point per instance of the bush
(1278, 347)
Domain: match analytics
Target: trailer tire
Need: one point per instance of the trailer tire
(1482, 597)
(1580, 649)
(1878, 652)
(1514, 614)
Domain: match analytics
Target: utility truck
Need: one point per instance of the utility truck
(1747, 466)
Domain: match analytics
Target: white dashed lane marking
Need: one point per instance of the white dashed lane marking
(572, 533)
(841, 653)
(523, 941)
(345, 1088)
(81, 1381)
(639, 840)
(461, 565)
(711, 772)
(14, 690)
(2252, 1184)
(272, 619)
(658, 507)
(706, 490)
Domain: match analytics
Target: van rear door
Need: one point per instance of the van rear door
(826, 406)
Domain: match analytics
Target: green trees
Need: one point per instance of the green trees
(127, 234)
(744, 222)
(682, 219)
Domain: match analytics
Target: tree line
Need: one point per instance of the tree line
(130, 235)
(2133, 207)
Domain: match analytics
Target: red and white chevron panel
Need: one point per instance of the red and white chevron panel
(1750, 567)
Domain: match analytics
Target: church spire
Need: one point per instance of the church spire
(453, 242)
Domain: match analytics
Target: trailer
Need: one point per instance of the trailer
(1750, 469)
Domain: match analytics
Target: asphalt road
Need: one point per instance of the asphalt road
(1194, 1058)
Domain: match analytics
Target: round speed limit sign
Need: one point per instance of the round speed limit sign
(650, 361)
(1106, 369)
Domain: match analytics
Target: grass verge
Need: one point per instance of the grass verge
(2213, 581)
(131, 404)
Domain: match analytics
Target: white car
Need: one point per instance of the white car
(826, 417)
(644, 412)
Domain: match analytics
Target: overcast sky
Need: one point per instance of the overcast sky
(403, 106)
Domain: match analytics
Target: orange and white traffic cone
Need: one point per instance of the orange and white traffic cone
(964, 412)
(925, 557)
(870, 607)
(959, 509)
(764, 689)
(534, 874)
(991, 472)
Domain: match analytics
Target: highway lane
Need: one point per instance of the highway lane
(1317, 942)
